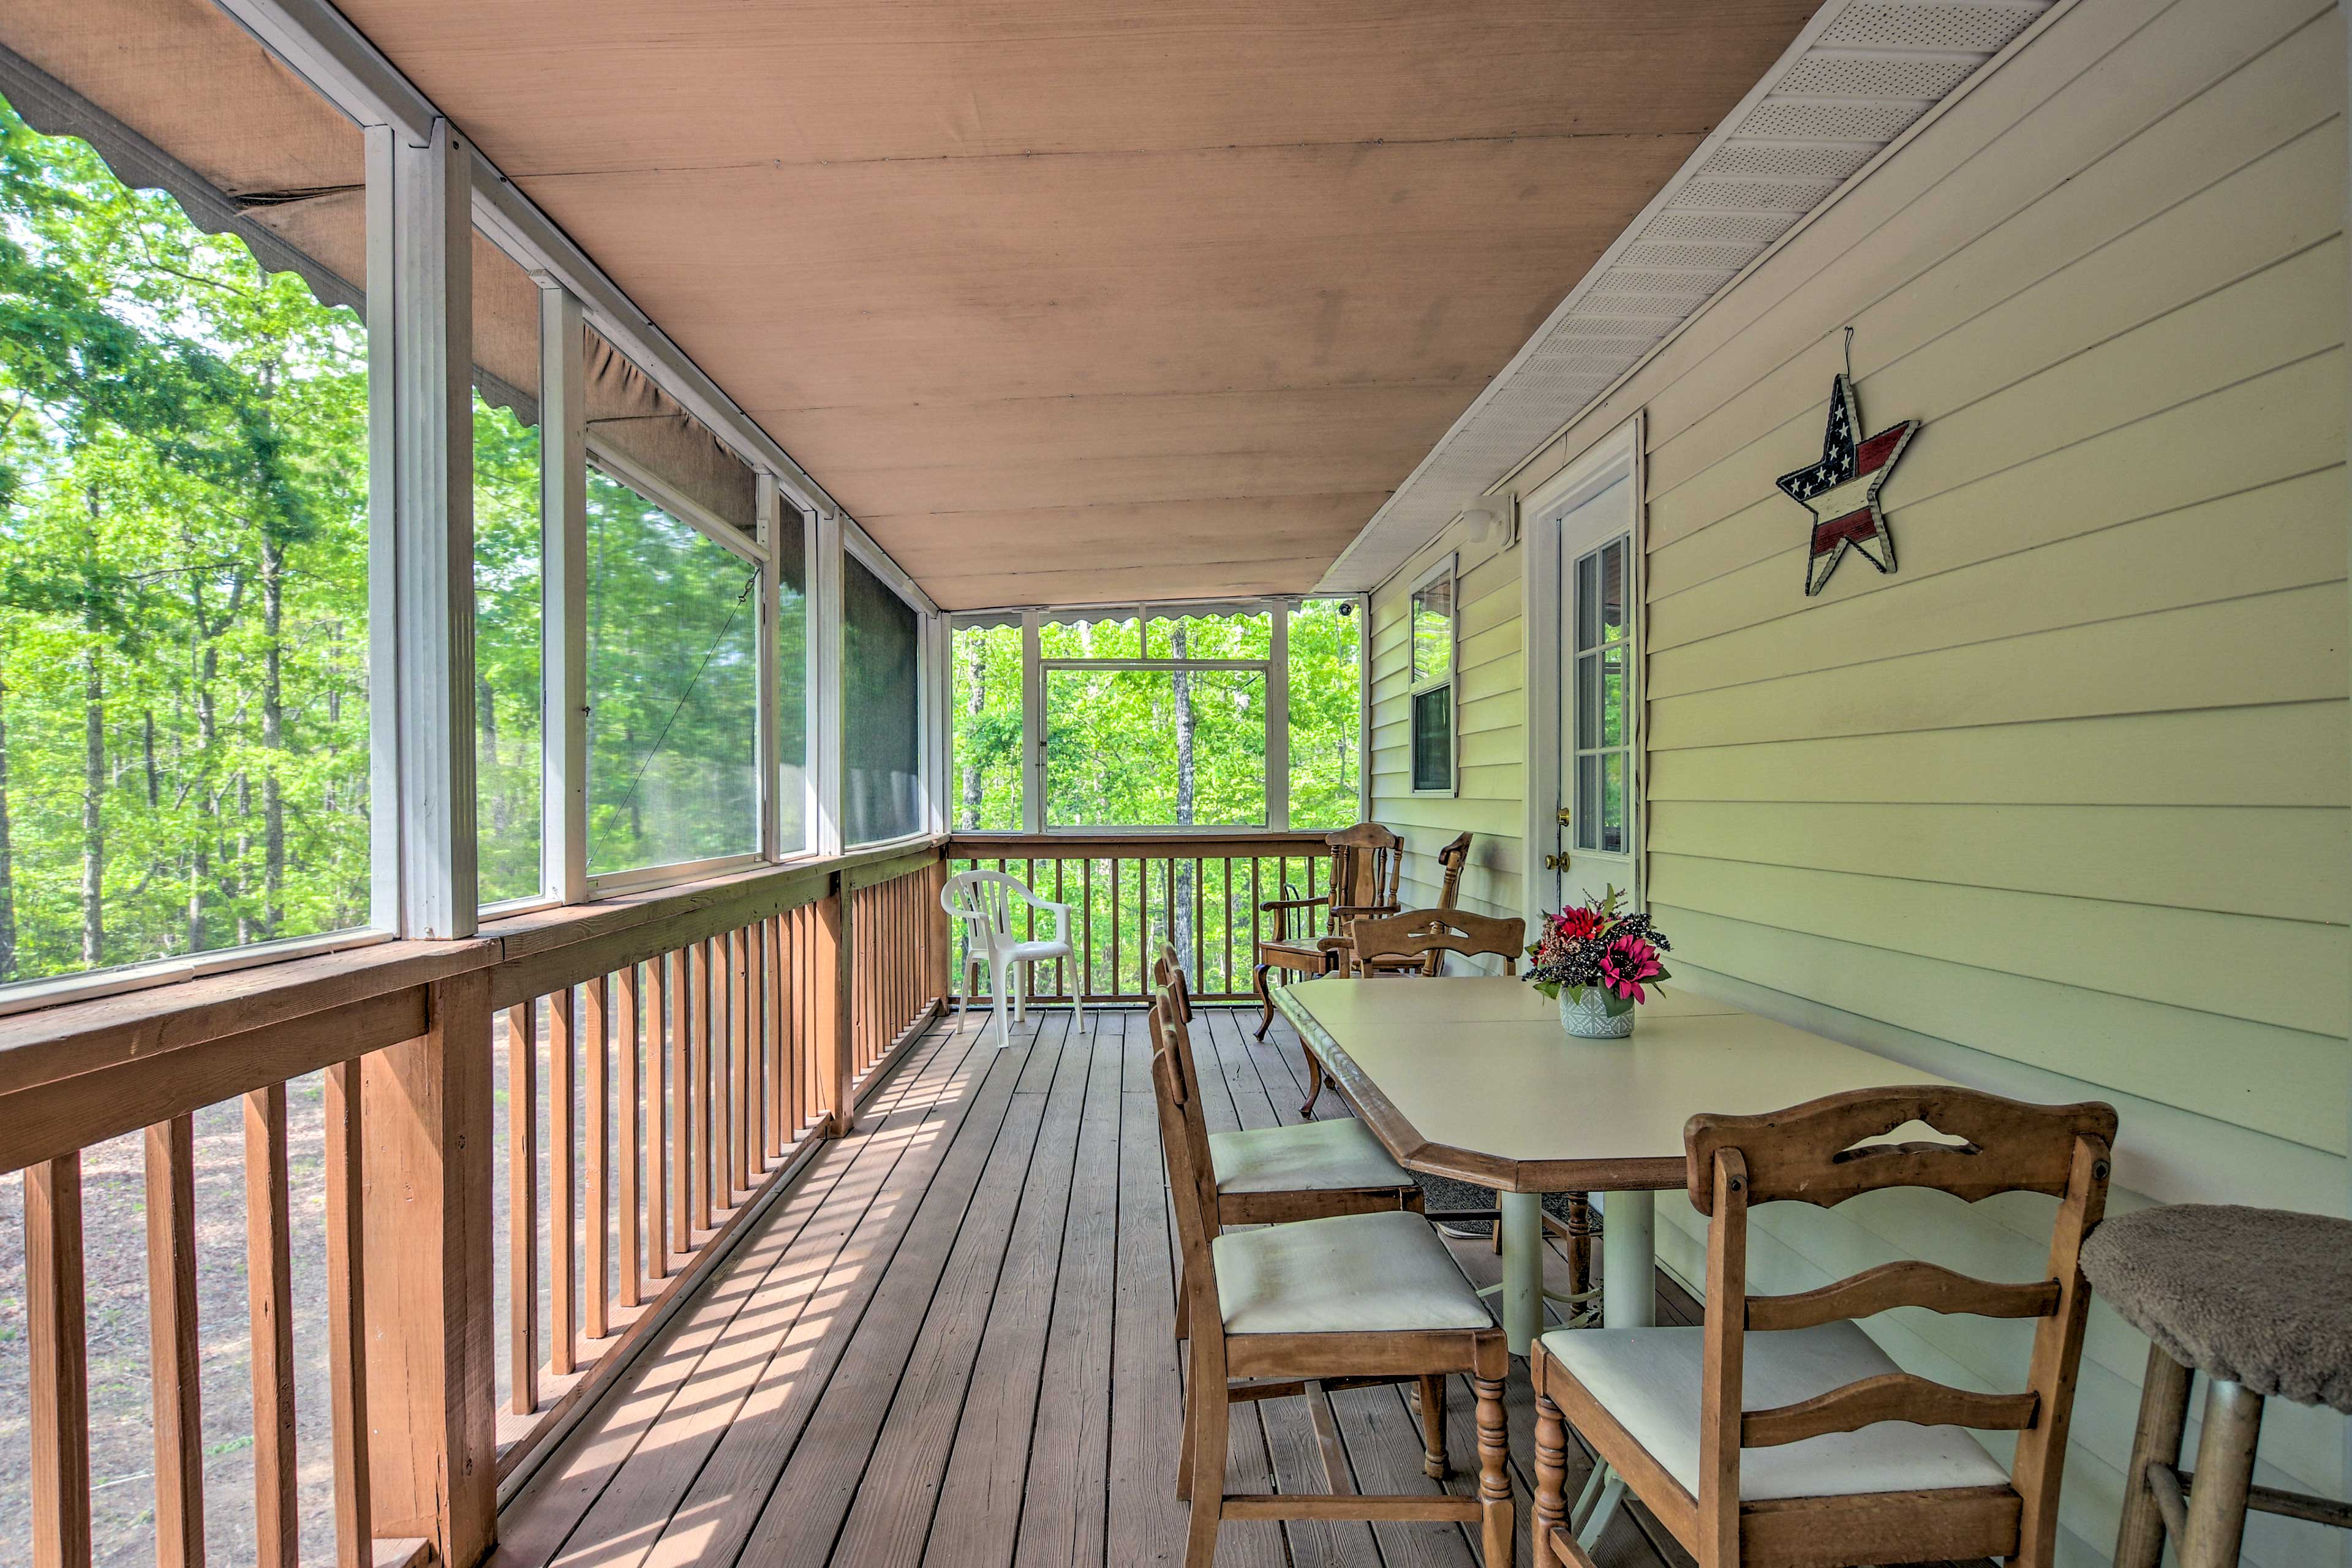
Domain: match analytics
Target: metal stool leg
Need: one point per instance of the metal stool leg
(2163, 1413)
(2225, 1469)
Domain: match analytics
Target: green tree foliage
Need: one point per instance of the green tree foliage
(183, 581)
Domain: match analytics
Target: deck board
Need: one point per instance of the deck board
(951, 1345)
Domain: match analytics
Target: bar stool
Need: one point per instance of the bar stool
(2258, 1301)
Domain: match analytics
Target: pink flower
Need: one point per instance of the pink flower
(1625, 964)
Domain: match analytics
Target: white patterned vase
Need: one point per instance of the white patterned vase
(1585, 1014)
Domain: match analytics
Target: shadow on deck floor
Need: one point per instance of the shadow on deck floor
(949, 1344)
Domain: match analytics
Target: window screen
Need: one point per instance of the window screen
(1433, 739)
(881, 706)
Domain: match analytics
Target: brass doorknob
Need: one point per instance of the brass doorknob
(1555, 862)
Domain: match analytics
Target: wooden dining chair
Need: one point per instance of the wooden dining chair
(1778, 1433)
(1452, 860)
(1309, 1169)
(1294, 1310)
(1407, 944)
(1366, 862)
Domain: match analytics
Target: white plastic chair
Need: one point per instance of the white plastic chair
(985, 902)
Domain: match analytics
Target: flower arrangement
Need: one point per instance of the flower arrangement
(1593, 947)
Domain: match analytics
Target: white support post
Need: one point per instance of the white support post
(563, 593)
(768, 505)
(828, 576)
(1033, 724)
(1277, 720)
(939, 731)
(421, 527)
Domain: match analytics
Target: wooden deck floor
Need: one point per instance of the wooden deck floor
(949, 1344)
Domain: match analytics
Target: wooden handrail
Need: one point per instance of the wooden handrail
(768, 997)
(1186, 845)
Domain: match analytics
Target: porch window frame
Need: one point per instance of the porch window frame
(1447, 570)
(1275, 667)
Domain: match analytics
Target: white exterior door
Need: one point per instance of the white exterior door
(1598, 814)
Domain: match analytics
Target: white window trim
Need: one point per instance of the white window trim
(1448, 569)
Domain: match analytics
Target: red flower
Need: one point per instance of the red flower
(1625, 964)
(1576, 924)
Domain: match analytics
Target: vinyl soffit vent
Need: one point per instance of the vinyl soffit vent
(1857, 77)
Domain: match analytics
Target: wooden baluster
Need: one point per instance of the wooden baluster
(698, 1012)
(563, 1220)
(1115, 972)
(831, 978)
(633, 1142)
(171, 1342)
(681, 1107)
(780, 1008)
(597, 1265)
(523, 1202)
(61, 1364)
(739, 1047)
(270, 1291)
(1225, 926)
(658, 1129)
(347, 1316)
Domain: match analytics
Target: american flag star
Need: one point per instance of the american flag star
(1841, 490)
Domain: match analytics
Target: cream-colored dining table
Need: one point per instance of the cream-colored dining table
(1473, 1077)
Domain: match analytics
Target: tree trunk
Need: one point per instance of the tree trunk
(273, 734)
(1179, 919)
(974, 706)
(7, 856)
(93, 814)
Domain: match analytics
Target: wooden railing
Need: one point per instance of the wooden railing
(1128, 893)
(666, 1061)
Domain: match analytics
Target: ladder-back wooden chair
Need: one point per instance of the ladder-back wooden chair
(1290, 1310)
(1366, 862)
(1450, 861)
(1412, 943)
(1263, 1175)
(1778, 1433)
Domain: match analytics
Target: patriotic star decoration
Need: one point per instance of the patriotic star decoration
(1842, 491)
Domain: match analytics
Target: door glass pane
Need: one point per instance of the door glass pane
(881, 711)
(1612, 588)
(1155, 747)
(1588, 701)
(1587, 603)
(1433, 739)
(1588, 802)
(1613, 804)
(1612, 696)
(673, 702)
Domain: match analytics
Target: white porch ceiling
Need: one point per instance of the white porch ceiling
(1857, 76)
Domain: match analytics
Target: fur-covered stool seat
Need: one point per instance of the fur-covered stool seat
(2260, 1301)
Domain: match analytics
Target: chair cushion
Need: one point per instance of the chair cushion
(2247, 1295)
(1344, 1275)
(1312, 1157)
(1649, 1379)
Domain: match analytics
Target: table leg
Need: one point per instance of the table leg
(1523, 1250)
(1629, 1260)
